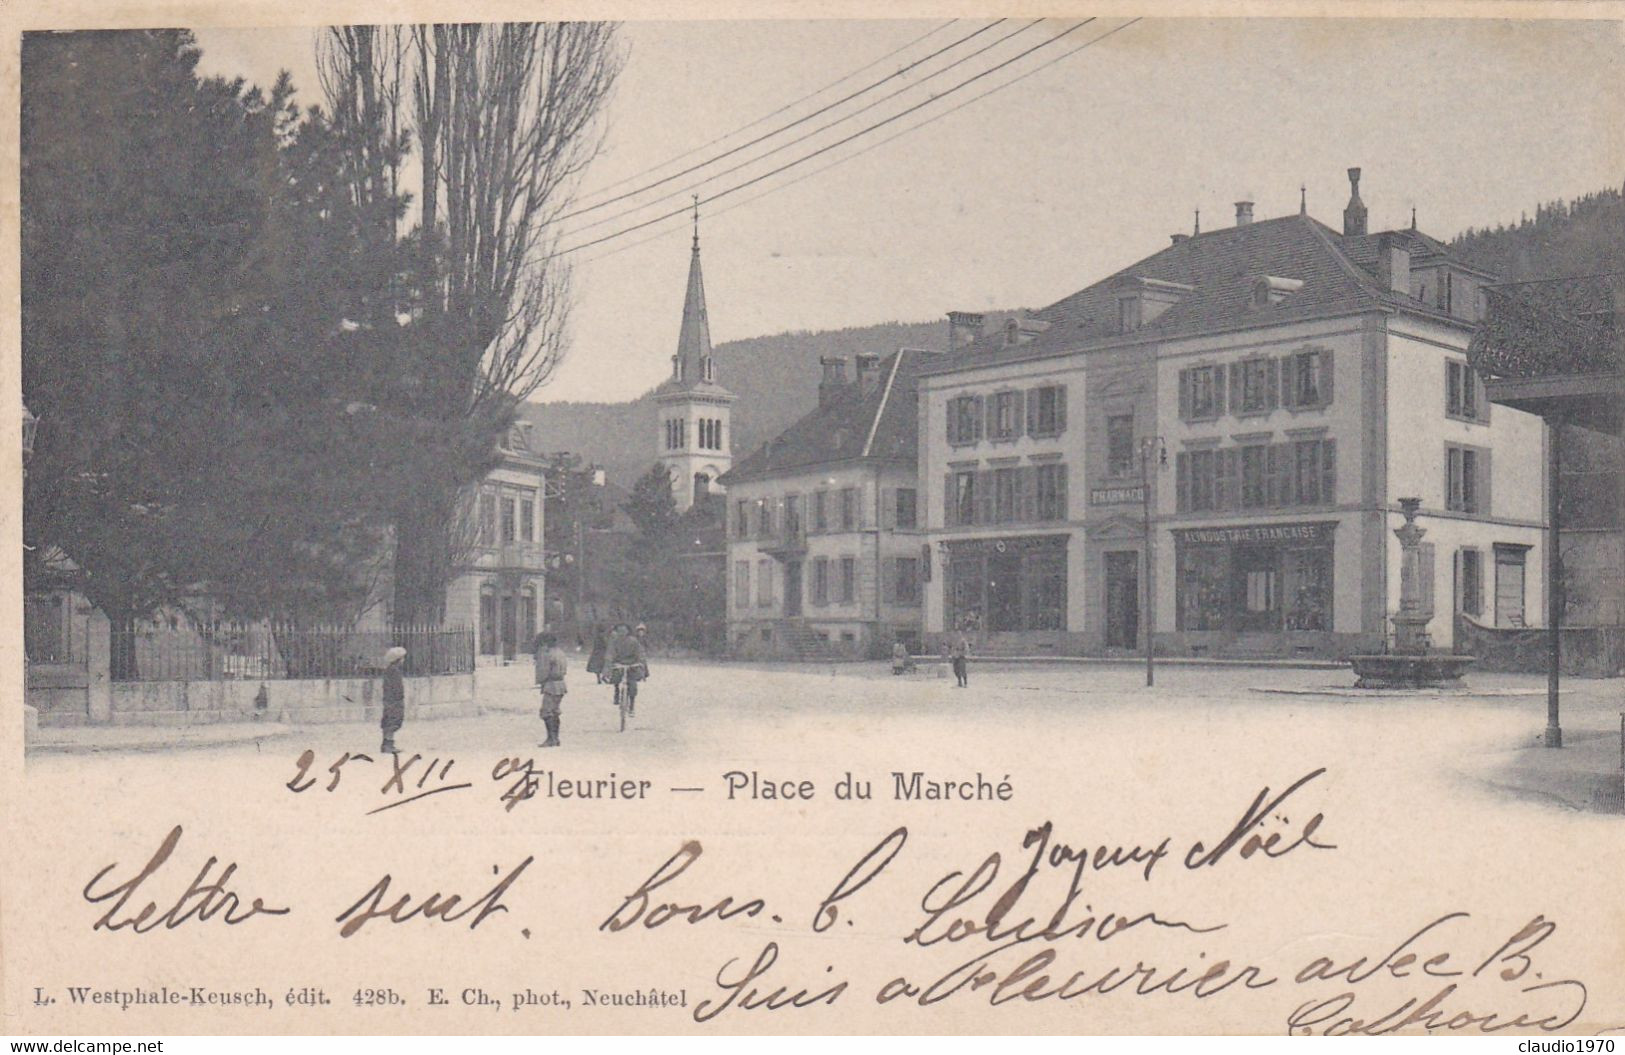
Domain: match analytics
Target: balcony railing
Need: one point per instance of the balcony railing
(526, 555)
(790, 541)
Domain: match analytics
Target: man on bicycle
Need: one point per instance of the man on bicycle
(627, 658)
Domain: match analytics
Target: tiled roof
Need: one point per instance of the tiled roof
(1221, 269)
(852, 425)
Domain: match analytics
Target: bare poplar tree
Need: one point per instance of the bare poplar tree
(504, 119)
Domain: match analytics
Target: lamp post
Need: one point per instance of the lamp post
(1149, 444)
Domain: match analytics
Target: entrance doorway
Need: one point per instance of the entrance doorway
(510, 627)
(1123, 599)
(792, 588)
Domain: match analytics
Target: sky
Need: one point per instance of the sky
(1046, 186)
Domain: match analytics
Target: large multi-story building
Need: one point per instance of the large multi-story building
(1276, 387)
(825, 552)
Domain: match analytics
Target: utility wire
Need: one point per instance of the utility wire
(827, 148)
(769, 116)
(783, 128)
(801, 138)
(872, 146)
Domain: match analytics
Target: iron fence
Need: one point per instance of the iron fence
(221, 651)
(54, 634)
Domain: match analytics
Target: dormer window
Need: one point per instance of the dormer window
(1012, 333)
(1128, 314)
(1271, 289)
(1141, 300)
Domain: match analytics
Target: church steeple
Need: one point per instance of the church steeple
(696, 430)
(692, 364)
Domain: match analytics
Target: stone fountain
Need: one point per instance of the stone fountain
(1412, 663)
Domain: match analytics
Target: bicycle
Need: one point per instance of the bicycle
(622, 678)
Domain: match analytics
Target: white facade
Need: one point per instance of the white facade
(828, 549)
(696, 430)
(500, 591)
(1277, 442)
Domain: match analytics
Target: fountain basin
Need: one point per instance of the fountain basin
(1399, 670)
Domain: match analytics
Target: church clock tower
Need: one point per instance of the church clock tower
(695, 433)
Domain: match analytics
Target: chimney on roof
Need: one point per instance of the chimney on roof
(964, 327)
(834, 378)
(1354, 214)
(1244, 213)
(1393, 263)
(868, 372)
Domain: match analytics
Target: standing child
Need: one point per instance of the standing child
(961, 658)
(394, 698)
(550, 668)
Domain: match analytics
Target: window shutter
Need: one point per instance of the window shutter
(925, 562)
(1452, 478)
(1060, 409)
(1184, 395)
(984, 496)
(1458, 588)
(1060, 492)
(1018, 416)
(1235, 386)
(953, 420)
(1328, 471)
(1483, 482)
(1326, 375)
(888, 581)
(1218, 391)
(1229, 491)
(1452, 391)
(1032, 412)
(888, 507)
(990, 413)
(1483, 403)
(1274, 492)
(1272, 383)
(1182, 481)
(949, 506)
(1289, 474)
(1289, 391)
(976, 419)
(860, 508)
(1027, 493)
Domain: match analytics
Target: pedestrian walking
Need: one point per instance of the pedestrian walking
(394, 695)
(960, 654)
(599, 654)
(550, 669)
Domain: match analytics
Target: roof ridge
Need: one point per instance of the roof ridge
(1323, 234)
(885, 396)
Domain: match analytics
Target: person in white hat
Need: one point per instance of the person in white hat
(394, 698)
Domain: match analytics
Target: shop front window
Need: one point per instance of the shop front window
(1259, 588)
(1044, 591)
(1012, 585)
(1204, 583)
(1307, 588)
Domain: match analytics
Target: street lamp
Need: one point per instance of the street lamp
(1148, 445)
